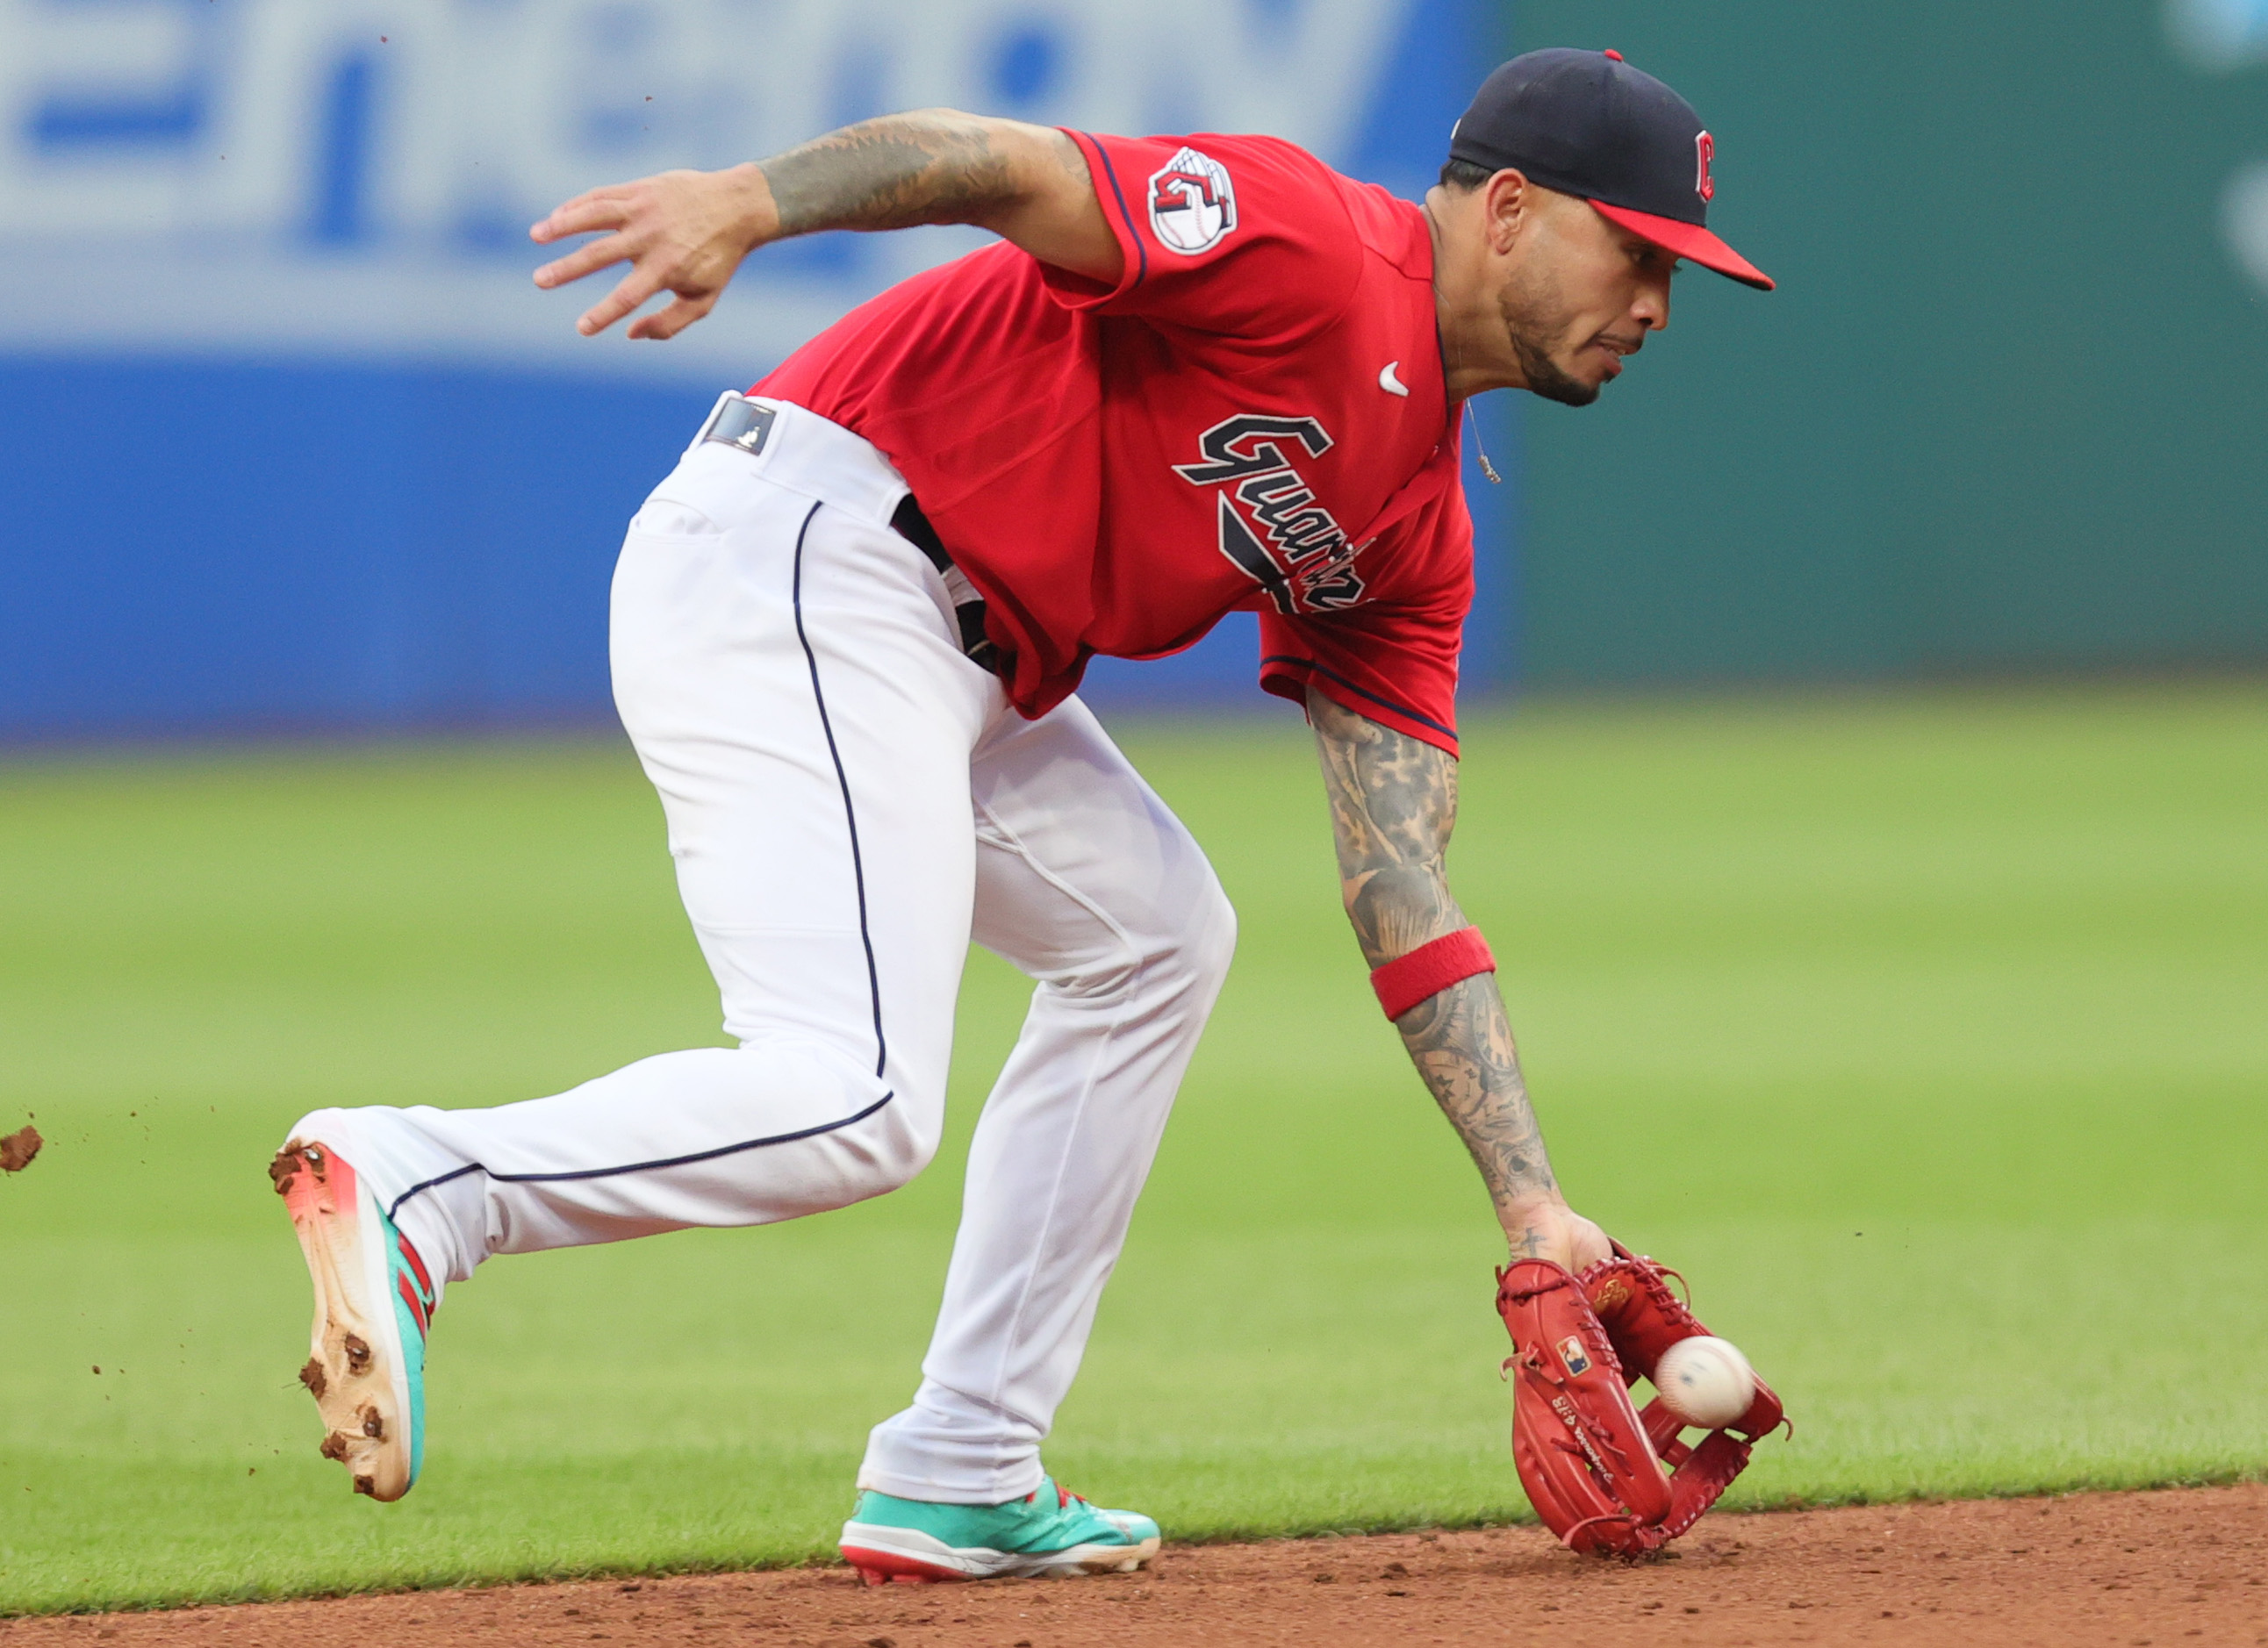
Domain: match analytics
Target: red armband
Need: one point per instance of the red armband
(1431, 968)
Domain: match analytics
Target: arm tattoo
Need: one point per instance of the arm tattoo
(1393, 802)
(892, 174)
(1460, 1042)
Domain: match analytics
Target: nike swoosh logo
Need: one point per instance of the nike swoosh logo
(1388, 382)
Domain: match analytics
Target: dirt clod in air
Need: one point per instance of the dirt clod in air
(18, 1149)
(311, 1376)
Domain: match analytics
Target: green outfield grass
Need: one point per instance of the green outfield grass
(1925, 1031)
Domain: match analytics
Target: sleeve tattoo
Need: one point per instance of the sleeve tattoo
(896, 173)
(1394, 803)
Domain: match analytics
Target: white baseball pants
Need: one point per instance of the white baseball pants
(848, 801)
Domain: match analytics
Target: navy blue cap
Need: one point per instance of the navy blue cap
(1587, 123)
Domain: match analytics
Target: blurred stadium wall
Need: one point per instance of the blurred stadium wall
(2008, 410)
(293, 443)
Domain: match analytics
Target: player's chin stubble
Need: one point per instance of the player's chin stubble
(1534, 324)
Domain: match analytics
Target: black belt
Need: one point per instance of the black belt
(911, 525)
(746, 424)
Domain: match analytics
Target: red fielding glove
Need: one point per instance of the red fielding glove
(1583, 1456)
(1602, 1477)
(1643, 1319)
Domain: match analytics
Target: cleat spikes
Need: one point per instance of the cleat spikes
(371, 1304)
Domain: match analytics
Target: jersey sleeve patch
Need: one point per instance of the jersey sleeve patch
(1192, 202)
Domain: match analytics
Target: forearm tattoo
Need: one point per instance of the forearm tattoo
(892, 172)
(1394, 803)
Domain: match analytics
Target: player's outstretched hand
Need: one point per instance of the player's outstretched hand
(1554, 1230)
(680, 231)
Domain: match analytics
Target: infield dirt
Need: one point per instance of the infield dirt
(2165, 1568)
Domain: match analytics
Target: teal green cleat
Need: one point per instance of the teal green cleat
(374, 1303)
(1051, 1534)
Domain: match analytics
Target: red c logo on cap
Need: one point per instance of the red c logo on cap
(1705, 149)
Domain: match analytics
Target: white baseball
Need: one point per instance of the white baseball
(1705, 1380)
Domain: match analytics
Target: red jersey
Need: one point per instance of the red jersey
(1254, 417)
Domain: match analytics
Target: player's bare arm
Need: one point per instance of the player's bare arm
(1394, 805)
(686, 232)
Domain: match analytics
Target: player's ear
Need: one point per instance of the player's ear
(1509, 200)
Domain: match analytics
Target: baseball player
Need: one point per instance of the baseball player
(1195, 375)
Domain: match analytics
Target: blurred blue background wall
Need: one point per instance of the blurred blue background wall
(292, 442)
